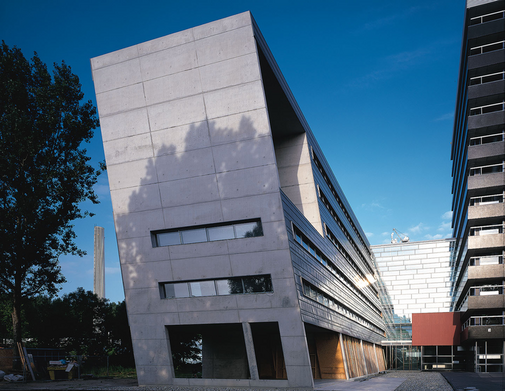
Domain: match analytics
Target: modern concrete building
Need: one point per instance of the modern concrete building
(242, 261)
(417, 279)
(478, 155)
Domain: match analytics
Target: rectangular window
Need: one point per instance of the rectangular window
(202, 288)
(220, 287)
(194, 236)
(222, 231)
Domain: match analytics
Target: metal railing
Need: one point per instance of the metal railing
(486, 290)
(487, 108)
(490, 77)
(490, 47)
(487, 230)
(488, 139)
(490, 320)
(487, 260)
(487, 18)
(489, 169)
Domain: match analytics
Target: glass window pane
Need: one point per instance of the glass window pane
(203, 288)
(221, 233)
(248, 230)
(256, 284)
(229, 286)
(194, 236)
(181, 289)
(169, 291)
(168, 238)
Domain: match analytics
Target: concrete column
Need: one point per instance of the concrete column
(344, 357)
(249, 347)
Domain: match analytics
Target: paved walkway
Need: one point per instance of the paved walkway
(492, 381)
(391, 381)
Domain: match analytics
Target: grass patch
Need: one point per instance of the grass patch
(115, 371)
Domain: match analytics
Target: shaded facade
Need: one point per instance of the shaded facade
(478, 155)
(242, 261)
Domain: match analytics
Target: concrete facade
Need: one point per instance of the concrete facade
(478, 155)
(202, 136)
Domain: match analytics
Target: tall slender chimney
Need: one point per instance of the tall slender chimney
(99, 264)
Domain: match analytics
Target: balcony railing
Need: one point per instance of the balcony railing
(490, 47)
(487, 230)
(487, 260)
(486, 200)
(488, 139)
(489, 169)
(487, 108)
(487, 18)
(486, 290)
(487, 78)
(491, 320)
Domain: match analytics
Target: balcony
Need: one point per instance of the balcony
(483, 327)
(486, 18)
(492, 145)
(486, 237)
(485, 297)
(485, 207)
(481, 269)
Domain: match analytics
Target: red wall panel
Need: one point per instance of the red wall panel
(441, 328)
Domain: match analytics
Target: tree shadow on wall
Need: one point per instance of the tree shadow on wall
(194, 168)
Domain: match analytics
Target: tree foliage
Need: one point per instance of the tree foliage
(44, 173)
(79, 322)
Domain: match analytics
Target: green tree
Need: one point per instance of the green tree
(44, 174)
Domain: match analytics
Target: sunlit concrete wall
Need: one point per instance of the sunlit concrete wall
(187, 142)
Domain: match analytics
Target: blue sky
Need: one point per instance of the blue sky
(376, 81)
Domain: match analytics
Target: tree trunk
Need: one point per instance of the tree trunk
(16, 325)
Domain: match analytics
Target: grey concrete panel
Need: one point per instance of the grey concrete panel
(120, 75)
(201, 268)
(248, 182)
(143, 300)
(276, 263)
(187, 215)
(138, 224)
(222, 25)
(147, 275)
(175, 113)
(256, 301)
(233, 100)
(120, 100)
(140, 250)
(210, 303)
(136, 199)
(224, 46)
(266, 206)
(485, 211)
(166, 42)
(114, 58)
(209, 317)
(168, 61)
(294, 175)
(189, 191)
(299, 375)
(487, 241)
(238, 127)
(146, 327)
(244, 154)
(238, 70)
(180, 138)
(128, 149)
(187, 164)
(153, 374)
(295, 350)
(127, 124)
(175, 86)
(198, 250)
